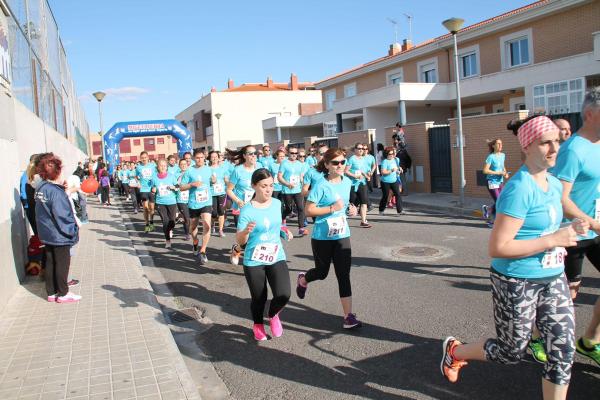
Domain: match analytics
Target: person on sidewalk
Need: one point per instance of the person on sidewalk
(105, 188)
(529, 288)
(57, 228)
(495, 173)
(258, 231)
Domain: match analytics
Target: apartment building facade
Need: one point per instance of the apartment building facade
(130, 148)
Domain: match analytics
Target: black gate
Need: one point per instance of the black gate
(439, 159)
(573, 118)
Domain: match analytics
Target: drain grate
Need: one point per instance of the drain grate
(415, 251)
(185, 315)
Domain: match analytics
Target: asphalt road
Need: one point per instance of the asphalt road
(408, 305)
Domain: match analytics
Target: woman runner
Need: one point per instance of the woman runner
(328, 202)
(258, 230)
(218, 190)
(183, 196)
(495, 174)
(390, 170)
(164, 186)
(529, 287)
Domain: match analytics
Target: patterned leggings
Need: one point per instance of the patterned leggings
(518, 304)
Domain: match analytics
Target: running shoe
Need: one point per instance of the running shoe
(52, 298)
(351, 322)
(195, 248)
(381, 212)
(203, 259)
(168, 244)
(188, 237)
(302, 232)
(450, 366)
(275, 325)
(68, 298)
(365, 225)
(485, 211)
(369, 208)
(259, 332)
(73, 282)
(234, 258)
(221, 234)
(152, 228)
(536, 346)
(592, 353)
(171, 234)
(490, 224)
(300, 289)
(147, 229)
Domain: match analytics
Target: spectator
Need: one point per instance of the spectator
(79, 172)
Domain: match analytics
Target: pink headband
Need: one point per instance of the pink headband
(534, 129)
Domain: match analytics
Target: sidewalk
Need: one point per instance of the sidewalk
(114, 344)
(440, 202)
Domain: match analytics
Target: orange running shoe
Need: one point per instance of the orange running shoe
(450, 366)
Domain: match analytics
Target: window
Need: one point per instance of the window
(517, 49)
(136, 142)
(559, 97)
(149, 144)
(428, 70)
(468, 64)
(160, 140)
(350, 90)
(394, 76)
(329, 99)
(97, 148)
(161, 156)
(125, 146)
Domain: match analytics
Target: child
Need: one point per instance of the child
(105, 188)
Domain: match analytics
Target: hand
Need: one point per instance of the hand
(338, 205)
(506, 175)
(172, 187)
(196, 184)
(400, 170)
(213, 178)
(290, 186)
(250, 227)
(352, 210)
(595, 226)
(153, 190)
(240, 204)
(564, 237)
(581, 227)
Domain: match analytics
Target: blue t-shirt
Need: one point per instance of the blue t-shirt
(124, 176)
(357, 164)
(578, 162)
(174, 169)
(145, 173)
(370, 161)
(274, 168)
(311, 161)
(183, 196)
(265, 162)
(496, 162)
(541, 213)
(388, 164)
(265, 234)
(241, 179)
(199, 197)
(324, 194)
(292, 173)
(164, 195)
(312, 176)
(218, 188)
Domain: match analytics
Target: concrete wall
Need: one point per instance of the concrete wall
(349, 139)
(22, 133)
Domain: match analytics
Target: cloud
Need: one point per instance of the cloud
(126, 93)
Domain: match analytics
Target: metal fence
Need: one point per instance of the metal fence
(40, 74)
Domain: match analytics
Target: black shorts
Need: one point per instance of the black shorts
(148, 196)
(360, 196)
(589, 248)
(196, 212)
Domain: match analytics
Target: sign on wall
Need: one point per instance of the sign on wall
(5, 76)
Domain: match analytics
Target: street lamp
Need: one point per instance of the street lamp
(99, 96)
(453, 25)
(218, 117)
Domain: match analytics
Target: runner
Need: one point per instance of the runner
(197, 179)
(372, 165)
(390, 177)
(311, 159)
(267, 159)
(578, 168)
(164, 186)
(528, 284)
(118, 178)
(495, 174)
(145, 171)
(330, 242)
(218, 190)
(290, 176)
(357, 169)
(125, 180)
(134, 188)
(183, 197)
(312, 176)
(239, 188)
(274, 170)
(173, 165)
(258, 230)
(187, 156)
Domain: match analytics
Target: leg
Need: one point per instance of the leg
(83, 205)
(151, 208)
(278, 277)
(353, 197)
(574, 265)
(395, 187)
(342, 260)
(299, 200)
(134, 198)
(185, 212)
(50, 270)
(494, 193)
(384, 196)
(362, 198)
(206, 220)
(287, 199)
(62, 262)
(257, 283)
(323, 254)
(221, 212)
(172, 212)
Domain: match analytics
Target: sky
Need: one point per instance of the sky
(155, 58)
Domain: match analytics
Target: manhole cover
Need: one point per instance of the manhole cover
(185, 315)
(415, 251)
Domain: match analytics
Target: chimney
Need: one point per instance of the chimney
(407, 44)
(230, 84)
(394, 49)
(213, 89)
(270, 83)
(293, 82)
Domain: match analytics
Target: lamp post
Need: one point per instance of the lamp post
(99, 96)
(218, 117)
(453, 25)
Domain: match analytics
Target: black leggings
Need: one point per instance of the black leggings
(360, 196)
(217, 206)
(326, 251)
(134, 193)
(58, 261)
(105, 194)
(185, 213)
(385, 189)
(278, 277)
(297, 198)
(167, 215)
(589, 248)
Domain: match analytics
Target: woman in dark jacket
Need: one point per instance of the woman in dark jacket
(56, 227)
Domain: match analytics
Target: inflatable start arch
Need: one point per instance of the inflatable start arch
(136, 129)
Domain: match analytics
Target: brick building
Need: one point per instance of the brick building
(130, 148)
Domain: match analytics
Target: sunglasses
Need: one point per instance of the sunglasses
(391, 154)
(359, 148)
(336, 163)
(322, 154)
(301, 155)
(251, 153)
(293, 154)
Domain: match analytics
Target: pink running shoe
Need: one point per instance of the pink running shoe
(68, 298)
(52, 299)
(276, 327)
(259, 332)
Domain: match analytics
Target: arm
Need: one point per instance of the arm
(351, 175)
(488, 171)
(232, 195)
(62, 213)
(241, 237)
(283, 181)
(571, 210)
(313, 211)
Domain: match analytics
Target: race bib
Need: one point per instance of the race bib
(201, 195)
(163, 190)
(133, 183)
(554, 258)
(265, 253)
(184, 195)
(294, 180)
(147, 173)
(597, 213)
(275, 179)
(248, 195)
(493, 185)
(218, 188)
(336, 225)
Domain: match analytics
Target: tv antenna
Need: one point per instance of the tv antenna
(395, 23)
(409, 17)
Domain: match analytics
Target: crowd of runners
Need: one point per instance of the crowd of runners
(546, 220)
